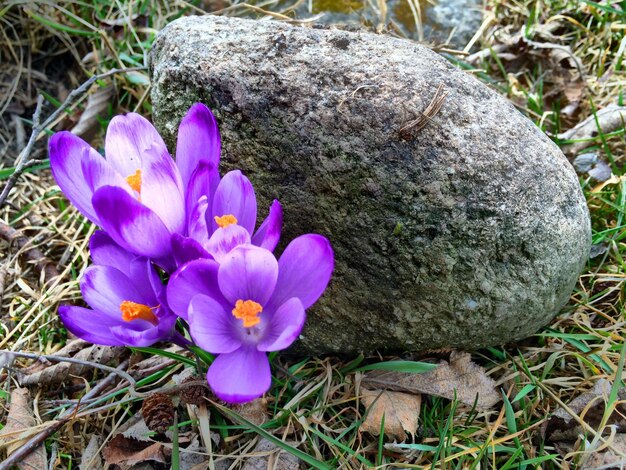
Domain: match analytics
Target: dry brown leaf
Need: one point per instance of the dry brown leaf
(608, 458)
(127, 451)
(97, 106)
(254, 411)
(58, 372)
(400, 410)
(91, 457)
(460, 379)
(18, 429)
(609, 119)
(590, 407)
(268, 455)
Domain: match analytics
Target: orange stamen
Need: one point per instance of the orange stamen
(133, 311)
(134, 181)
(225, 220)
(248, 311)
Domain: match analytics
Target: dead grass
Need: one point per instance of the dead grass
(557, 60)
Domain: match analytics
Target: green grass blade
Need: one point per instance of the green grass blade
(168, 354)
(273, 439)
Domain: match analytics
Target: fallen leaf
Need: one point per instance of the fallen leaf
(97, 106)
(128, 451)
(460, 379)
(608, 458)
(59, 372)
(589, 406)
(254, 411)
(268, 455)
(609, 119)
(400, 411)
(19, 427)
(91, 455)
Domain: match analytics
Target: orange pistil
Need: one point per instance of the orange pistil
(225, 220)
(134, 181)
(133, 311)
(248, 311)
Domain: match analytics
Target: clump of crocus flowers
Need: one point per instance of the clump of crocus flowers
(179, 221)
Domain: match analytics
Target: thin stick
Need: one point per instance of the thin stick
(409, 130)
(24, 157)
(126, 376)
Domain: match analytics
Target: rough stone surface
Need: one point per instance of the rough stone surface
(467, 233)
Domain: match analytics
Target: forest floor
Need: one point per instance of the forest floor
(560, 391)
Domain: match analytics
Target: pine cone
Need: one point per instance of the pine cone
(194, 394)
(158, 412)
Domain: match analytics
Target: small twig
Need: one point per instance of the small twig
(42, 263)
(126, 376)
(409, 130)
(24, 157)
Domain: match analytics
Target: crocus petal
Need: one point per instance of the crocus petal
(161, 189)
(203, 183)
(198, 140)
(304, 270)
(268, 234)
(143, 338)
(225, 239)
(89, 325)
(248, 273)
(146, 280)
(195, 277)
(105, 252)
(131, 224)
(211, 326)
(285, 325)
(186, 249)
(67, 154)
(127, 139)
(240, 376)
(235, 196)
(196, 222)
(105, 288)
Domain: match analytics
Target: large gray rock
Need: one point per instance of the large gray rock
(467, 233)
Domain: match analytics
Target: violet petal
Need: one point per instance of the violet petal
(304, 270)
(212, 326)
(89, 325)
(195, 277)
(198, 140)
(161, 190)
(235, 196)
(268, 234)
(248, 273)
(128, 138)
(224, 240)
(131, 224)
(240, 376)
(284, 326)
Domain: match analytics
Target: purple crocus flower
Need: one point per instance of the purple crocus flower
(224, 216)
(135, 194)
(247, 305)
(151, 205)
(126, 296)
